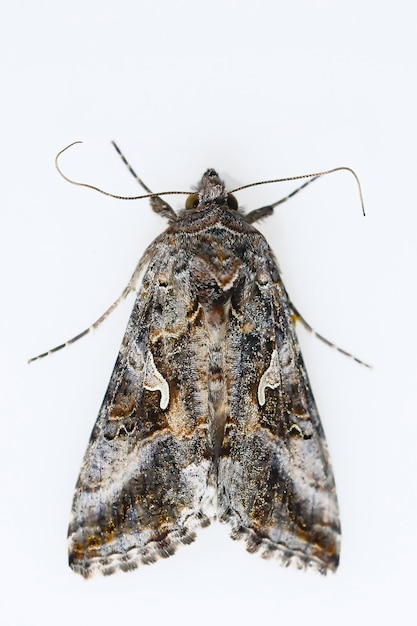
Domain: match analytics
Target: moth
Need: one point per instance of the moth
(209, 412)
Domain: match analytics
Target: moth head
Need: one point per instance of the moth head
(211, 190)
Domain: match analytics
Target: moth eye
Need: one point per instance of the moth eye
(192, 201)
(232, 202)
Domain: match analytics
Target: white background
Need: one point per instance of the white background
(256, 90)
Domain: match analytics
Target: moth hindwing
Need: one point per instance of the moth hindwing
(209, 412)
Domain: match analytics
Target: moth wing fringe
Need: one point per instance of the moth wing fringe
(267, 549)
(138, 556)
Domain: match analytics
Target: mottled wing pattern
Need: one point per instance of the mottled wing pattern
(276, 485)
(144, 486)
(209, 411)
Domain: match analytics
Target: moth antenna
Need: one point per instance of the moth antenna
(313, 177)
(107, 193)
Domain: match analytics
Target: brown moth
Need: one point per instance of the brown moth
(209, 412)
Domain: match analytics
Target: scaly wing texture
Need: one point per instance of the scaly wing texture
(146, 480)
(275, 483)
(209, 411)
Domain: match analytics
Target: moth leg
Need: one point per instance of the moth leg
(163, 208)
(297, 317)
(158, 205)
(131, 286)
(265, 211)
